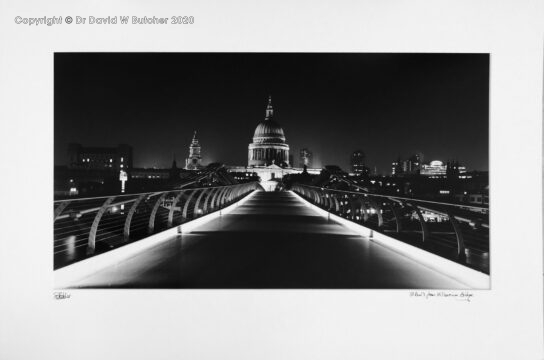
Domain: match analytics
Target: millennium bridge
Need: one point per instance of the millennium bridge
(225, 235)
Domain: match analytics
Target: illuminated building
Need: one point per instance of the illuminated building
(268, 154)
(434, 168)
(305, 158)
(194, 161)
(437, 168)
(454, 169)
(358, 163)
(268, 146)
(411, 166)
(150, 174)
(396, 167)
(100, 158)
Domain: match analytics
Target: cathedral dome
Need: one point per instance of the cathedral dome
(268, 131)
(268, 146)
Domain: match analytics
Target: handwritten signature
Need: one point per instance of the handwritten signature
(60, 295)
(459, 296)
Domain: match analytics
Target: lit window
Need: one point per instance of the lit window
(121, 159)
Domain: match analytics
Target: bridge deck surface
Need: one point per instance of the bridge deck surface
(273, 240)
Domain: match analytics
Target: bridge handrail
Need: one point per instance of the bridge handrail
(402, 200)
(87, 221)
(136, 194)
(362, 207)
(474, 207)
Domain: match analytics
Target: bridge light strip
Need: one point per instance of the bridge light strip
(70, 275)
(473, 279)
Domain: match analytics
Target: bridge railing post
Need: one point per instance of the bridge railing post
(316, 198)
(205, 207)
(184, 214)
(196, 210)
(344, 206)
(458, 235)
(222, 197)
(364, 209)
(336, 203)
(230, 195)
(152, 216)
(396, 215)
(378, 209)
(91, 244)
(172, 208)
(351, 201)
(425, 234)
(59, 209)
(214, 204)
(326, 202)
(128, 220)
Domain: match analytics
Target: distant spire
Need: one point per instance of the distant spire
(174, 163)
(269, 109)
(174, 172)
(194, 142)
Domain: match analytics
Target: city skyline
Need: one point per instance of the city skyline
(327, 103)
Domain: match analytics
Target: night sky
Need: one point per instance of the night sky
(384, 104)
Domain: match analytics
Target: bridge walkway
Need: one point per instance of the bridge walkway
(272, 240)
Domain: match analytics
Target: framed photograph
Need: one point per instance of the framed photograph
(279, 180)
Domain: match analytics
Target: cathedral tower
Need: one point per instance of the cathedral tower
(194, 161)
